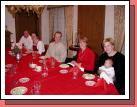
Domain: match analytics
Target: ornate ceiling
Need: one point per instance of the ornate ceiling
(13, 9)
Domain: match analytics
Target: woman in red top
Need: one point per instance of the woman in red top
(86, 57)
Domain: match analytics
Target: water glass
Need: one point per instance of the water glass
(14, 67)
(45, 72)
(75, 73)
(34, 92)
(37, 86)
(52, 62)
(33, 54)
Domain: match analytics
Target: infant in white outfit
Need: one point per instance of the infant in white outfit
(107, 71)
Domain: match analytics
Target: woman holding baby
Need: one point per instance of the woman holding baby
(118, 63)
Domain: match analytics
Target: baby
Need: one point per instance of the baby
(107, 71)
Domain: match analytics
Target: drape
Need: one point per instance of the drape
(60, 19)
(69, 28)
(51, 23)
(119, 27)
(57, 23)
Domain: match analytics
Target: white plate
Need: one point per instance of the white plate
(24, 80)
(12, 54)
(42, 57)
(88, 76)
(10, 51)
(32, 65)
(90, 83)
(63, 71)
(8, 65)
(40, 61)
(19, 90)
(24, 54)
(64, 66)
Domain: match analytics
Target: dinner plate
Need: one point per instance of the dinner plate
(42, 57)
(90, 83)
(24, 80)
(19, 90)
(31, 65)
(88, 76)
(40, 61)
(10, 52)
(9, 65)
(64, 66)
(24, 54)
(63, 71)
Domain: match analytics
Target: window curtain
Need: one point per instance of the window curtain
(57, 23)
(60, 19)
(51, 23)
(69, 28)
(119, 27)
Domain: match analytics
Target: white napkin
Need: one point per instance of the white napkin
(81, 68)
(106, 78)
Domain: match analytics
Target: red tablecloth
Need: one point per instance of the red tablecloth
(55, 83)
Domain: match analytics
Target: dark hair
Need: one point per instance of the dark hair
(58, 33)
(110, 59)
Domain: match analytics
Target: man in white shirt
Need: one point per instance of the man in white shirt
(39, 45)
(57, 49)
(26, 41)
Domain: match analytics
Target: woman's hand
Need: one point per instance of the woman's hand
(76, 64)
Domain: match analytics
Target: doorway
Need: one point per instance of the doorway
(26, 21)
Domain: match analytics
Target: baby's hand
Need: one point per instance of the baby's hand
(100, 71)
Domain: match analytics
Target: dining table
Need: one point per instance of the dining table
(51, 80)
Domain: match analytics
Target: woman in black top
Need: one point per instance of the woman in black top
(118, 63)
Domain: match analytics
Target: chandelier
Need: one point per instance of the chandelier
(13, 9)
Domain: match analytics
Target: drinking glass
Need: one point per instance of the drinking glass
(52, 62)
(37, 86)
(45, 69)
(33, 54)
(75, 73)
(14, 67)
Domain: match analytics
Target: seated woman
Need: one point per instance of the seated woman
(118, 63)
(57, 49)
(37, 44)
(86, 57)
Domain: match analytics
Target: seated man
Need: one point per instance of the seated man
(26, 41)
(57, 49)
(37, 44)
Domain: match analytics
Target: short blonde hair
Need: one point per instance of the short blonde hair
(83, 39)
(110, 40)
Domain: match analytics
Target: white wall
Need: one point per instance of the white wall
(109, 21)
(10, 23)
(45, 26)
